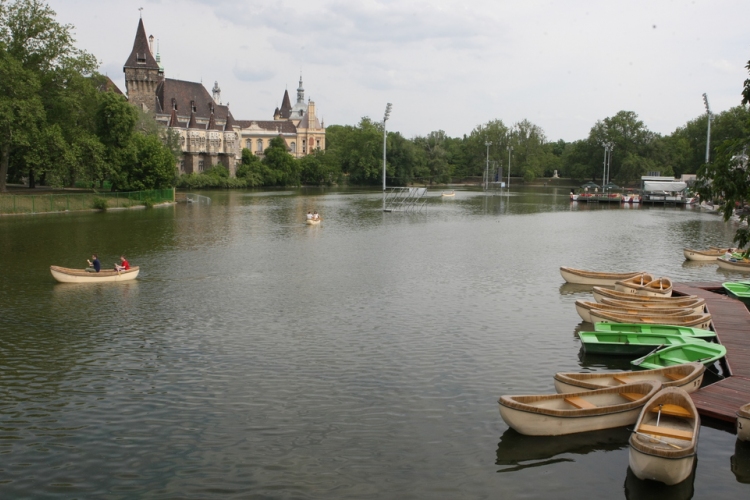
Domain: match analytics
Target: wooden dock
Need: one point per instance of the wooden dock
(731, 321)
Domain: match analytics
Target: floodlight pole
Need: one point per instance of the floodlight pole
(487, 168)
(609, 162)
(385, 119)
(708, 135)
(510, 150)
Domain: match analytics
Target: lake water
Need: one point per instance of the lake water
(257, 357)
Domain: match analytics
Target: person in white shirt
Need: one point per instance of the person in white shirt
(309, 215)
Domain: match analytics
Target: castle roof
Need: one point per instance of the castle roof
(193, 123)
(186, 94)
(283, 127)
(309, 122)
(141, 56)
(212, 123)
(230, 124)
(286, 106)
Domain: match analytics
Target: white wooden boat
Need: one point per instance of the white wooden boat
(586, 308)
(67, 275)
(665, 440)
(697, 305)
(702, 255)
(559, 414)
(661, 287)
(581, 277)
(743, 423)
(631, 284)
(687, 376)
(448, 194)
(601, 293)
(312, 222)
(692, 320)
(742, 266)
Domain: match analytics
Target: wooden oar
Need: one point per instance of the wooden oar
(640, 360)
(657, 439)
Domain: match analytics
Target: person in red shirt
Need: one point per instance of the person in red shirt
(124, 265)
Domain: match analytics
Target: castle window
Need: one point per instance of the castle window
(249, 144)
(182, 166)
(200, 165)
(140, 58)
(304, 146)
(260, 146)
(317, 144)
(294, 147)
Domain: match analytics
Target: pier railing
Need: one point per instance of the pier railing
(65, 202)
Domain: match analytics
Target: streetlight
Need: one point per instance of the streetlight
(708, 135)
(510, 150)
(487, 167)
(385, 119)
(608, 147)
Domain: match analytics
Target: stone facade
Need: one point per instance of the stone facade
(208, 133)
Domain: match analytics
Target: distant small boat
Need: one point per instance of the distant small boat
(703, 352)
(743, 422)
(448, 193)
(702, 255)
(559, 414)
(582, 277)
(313, 222)
(630, 285)
(693, 320)
(629, 344)
(688, 376)
(665, 440)
(586, 310)
(600, 293)
(655, 328)
(67, 275)
(742, 266)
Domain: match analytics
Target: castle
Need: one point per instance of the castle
(209, 134)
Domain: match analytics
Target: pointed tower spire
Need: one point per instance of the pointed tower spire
(140, 56)
(300, 91)
(286, 106)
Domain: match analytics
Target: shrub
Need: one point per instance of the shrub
(100, 203)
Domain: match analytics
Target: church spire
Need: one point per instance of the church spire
(300, 91)
(140, 56)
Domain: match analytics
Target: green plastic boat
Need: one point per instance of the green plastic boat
(702, 352)
(738, 289)
(632, 344)
(657, 329)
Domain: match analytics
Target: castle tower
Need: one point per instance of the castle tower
(142, 72)
(300, 91)
(216, 93)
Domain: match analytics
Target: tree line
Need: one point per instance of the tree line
(60, 126)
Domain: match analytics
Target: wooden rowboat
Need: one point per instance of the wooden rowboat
(665, 440)
(697, 305)
(581, 277)
(67, 275)
(585, 309)
(448, 194)
(628, 285)
(687, 376)
(743, 422)
(693, 320)
(702, 255)
(558, 414)
(742, 266)
(313, 222)
(629, 344)
(704, 352)
(650, 328)
(601, 293)
(661, 287)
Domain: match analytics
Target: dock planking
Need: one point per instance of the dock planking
(731, 322)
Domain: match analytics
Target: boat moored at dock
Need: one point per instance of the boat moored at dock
(688, 376)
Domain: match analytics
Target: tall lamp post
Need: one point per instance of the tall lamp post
(385, 119)
(510, 150)
(708, 134)
(487, 168)
(608, 147)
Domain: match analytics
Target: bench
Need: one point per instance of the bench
(623, 379)
(665, 432)
(673, 376)
(580, 403)
(673, 410)
(632, 396)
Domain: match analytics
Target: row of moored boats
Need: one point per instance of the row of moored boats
(633, 314)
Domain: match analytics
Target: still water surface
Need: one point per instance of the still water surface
(257, 357)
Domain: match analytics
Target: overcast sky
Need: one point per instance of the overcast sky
(444, 64)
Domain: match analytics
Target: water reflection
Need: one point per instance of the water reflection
(740, 462)
(575, 289)
(638, 489)
(518, 452)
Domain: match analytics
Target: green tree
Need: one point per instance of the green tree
(154, 165)
(278, 160)
(115, 127)
(436, 159)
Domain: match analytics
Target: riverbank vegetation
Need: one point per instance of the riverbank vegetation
(61, 124)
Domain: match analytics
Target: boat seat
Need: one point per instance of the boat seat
(632, 396)
(672, 376)
(623, 379)
(673, 410)
(580, 403)
(665, 432)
